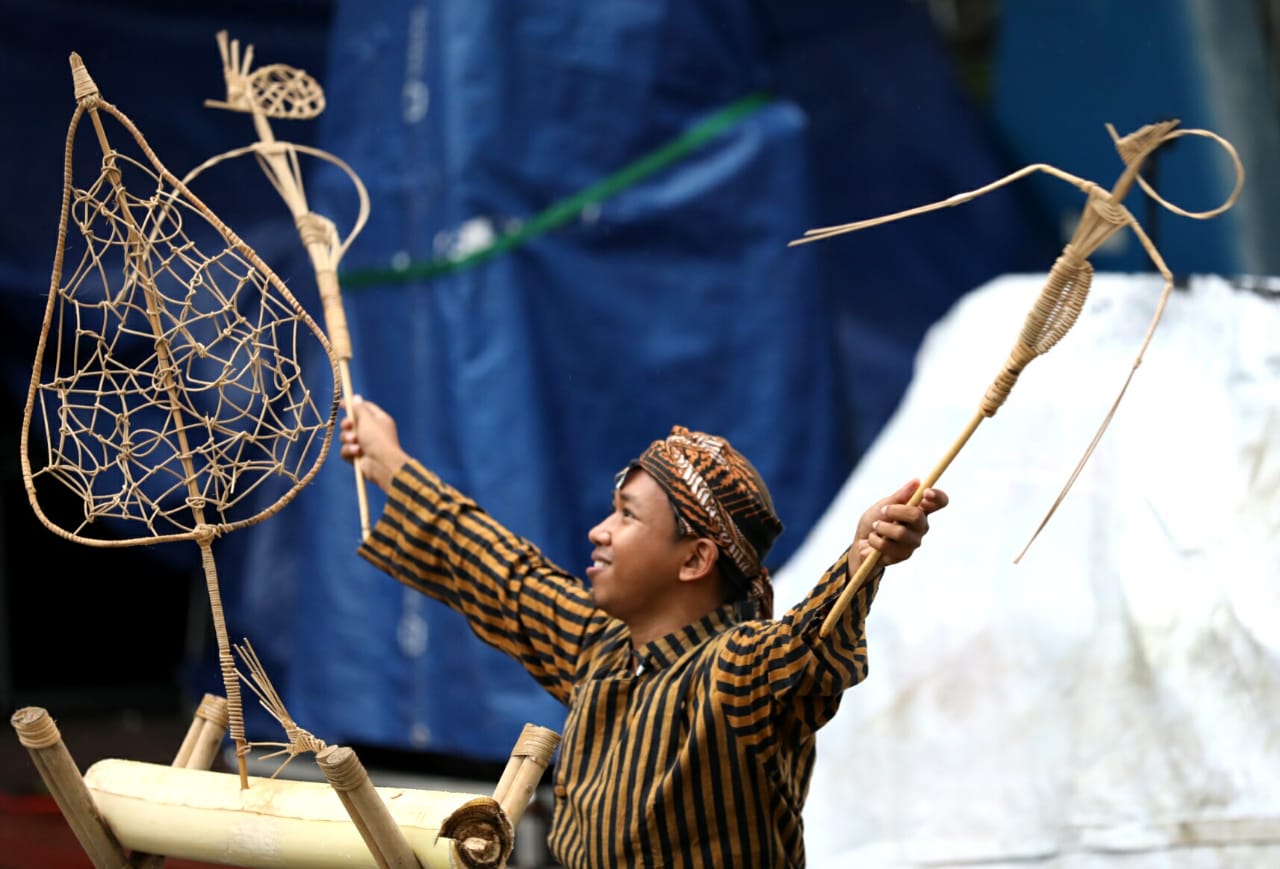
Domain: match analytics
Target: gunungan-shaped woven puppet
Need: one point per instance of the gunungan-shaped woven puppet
(167, 395)
(1065, 290)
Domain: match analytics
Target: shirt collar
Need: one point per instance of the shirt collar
(664, 651)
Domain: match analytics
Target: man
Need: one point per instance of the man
(689, 738)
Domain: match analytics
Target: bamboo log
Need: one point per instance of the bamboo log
(199, 748)
(206, 816)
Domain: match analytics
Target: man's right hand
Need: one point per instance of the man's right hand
(369, 437)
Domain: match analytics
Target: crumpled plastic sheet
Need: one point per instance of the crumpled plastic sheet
(1114, 697)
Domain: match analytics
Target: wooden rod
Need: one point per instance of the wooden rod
(369, 813)
(39, 733)
(864, 570)
(529, 760)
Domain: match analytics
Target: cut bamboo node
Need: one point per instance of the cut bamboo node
(341, 767)
(482, 833)
(35, 727)
(529, 760)
(539, 743)
(214, 710)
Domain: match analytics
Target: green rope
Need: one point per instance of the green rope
(568, 209)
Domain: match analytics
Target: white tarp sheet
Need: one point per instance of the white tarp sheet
(1114, 697)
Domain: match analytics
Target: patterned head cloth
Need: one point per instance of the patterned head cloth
(718, 494)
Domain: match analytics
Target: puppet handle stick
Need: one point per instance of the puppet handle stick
(1054, 312)
(235, 708)
(362, 497)
(336, 321)
(868, 564)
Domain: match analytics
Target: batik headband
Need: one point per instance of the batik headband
(717, 493)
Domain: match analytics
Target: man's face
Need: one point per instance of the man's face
(636, 559)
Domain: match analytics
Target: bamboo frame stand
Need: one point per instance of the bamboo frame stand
(134, 814)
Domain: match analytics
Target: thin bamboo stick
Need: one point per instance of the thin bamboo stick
(529, 760)
(38, 732)
(370, 815)
(873, 557)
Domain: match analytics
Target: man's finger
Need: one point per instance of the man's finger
(904, 493)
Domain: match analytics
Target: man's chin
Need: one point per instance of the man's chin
(600, 601)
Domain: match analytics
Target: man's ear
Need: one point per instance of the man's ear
(700, 560)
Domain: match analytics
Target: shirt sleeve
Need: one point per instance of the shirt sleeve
(785, 670)
(434, 539)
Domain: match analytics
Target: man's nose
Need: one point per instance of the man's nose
(600, 533)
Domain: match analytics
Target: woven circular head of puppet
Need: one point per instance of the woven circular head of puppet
(718, 493)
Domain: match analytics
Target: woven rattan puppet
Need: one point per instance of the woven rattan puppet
(1064, 293)
(167, 391)
(283, 92)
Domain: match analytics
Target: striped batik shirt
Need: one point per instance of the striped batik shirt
(694, 750)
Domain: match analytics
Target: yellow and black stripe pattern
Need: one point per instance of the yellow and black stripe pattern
(695, 750)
